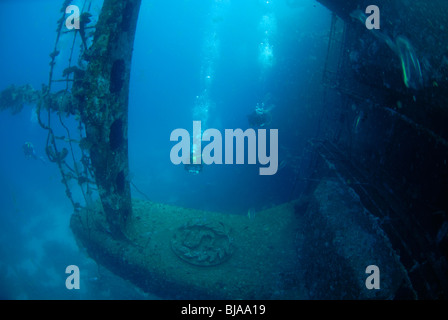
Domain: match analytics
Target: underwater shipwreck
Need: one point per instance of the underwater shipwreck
(369, 201)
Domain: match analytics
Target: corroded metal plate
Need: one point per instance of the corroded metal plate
(202, 243)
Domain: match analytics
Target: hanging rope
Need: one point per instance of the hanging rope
(51, 102)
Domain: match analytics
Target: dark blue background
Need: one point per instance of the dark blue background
(36, 243)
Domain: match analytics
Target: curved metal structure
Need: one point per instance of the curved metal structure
(102, 97)
(387, 172)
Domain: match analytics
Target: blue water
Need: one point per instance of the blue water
(174, 42)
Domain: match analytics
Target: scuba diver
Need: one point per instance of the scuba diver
(193, 167)
(261, 116)
(30, 152)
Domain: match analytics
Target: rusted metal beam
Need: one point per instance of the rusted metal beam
(103, 98)
(341, 7)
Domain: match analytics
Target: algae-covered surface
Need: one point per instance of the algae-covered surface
(315, 248)
(262, 262)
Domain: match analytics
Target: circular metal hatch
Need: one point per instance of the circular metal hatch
(202, 243)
